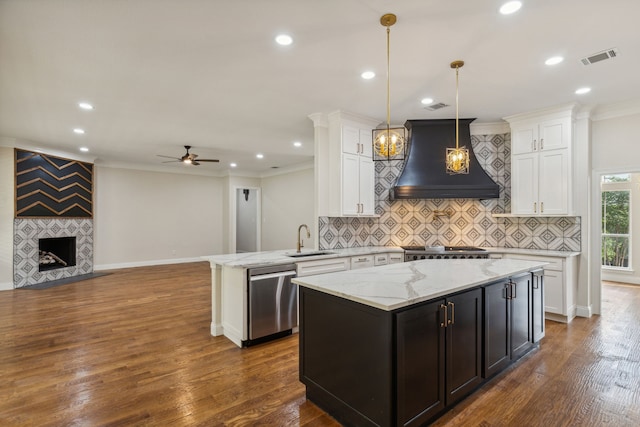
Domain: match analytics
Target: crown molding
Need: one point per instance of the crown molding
(620, 109)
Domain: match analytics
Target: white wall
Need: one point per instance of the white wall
(614, 148)
(288, 201)
(6, 217)
(146, 218)
(611, 137)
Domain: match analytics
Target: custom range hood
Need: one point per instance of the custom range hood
(425, 174)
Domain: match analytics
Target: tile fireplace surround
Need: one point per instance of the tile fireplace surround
(469, 222)
(26, 234)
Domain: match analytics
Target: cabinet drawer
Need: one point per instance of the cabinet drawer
(362, 261)
(381, 259)
(332, 265)
(396, 257)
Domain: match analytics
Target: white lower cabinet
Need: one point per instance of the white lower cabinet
(560, 285)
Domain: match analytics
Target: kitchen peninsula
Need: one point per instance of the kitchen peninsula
(399, 344)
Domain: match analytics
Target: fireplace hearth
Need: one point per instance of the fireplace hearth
(56, 252)
(28, 234)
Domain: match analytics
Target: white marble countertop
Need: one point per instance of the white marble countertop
(395, 286)
(259, 259)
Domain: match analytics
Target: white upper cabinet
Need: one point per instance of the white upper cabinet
(541, 163)
(352, 170)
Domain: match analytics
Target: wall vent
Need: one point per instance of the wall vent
(434, 107)
(600, 56)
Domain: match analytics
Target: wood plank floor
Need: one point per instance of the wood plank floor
(133, 348)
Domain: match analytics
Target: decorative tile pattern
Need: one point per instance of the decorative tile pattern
(468, 222)
(27, 232)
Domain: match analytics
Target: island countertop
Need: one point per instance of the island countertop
(396, 286)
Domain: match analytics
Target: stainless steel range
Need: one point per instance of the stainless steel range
(413, 253)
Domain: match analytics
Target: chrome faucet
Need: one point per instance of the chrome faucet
(300, 245)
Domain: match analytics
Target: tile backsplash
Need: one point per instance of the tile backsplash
(466, 222)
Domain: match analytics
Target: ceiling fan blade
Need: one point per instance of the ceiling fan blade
(168, 157)
(209, 160)
(193, 162)
(172, 161)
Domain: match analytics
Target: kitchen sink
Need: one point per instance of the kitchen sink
(310, 253)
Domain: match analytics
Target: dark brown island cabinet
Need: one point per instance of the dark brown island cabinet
(371, 367)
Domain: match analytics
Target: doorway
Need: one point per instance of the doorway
(247, 219)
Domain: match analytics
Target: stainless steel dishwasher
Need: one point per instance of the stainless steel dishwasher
(272, 302)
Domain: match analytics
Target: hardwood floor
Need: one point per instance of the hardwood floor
(133, 348)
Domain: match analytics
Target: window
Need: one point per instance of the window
(616, 202)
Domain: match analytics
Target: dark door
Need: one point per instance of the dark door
(464, 344)
(420, 364)
(497, 354)
(521, 330)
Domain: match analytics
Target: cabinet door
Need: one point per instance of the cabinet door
(554, 292)
(555, 134)
(537, 305)
(420, 363)
(524, 184)
(350, 184)
(366, 143)
(350, 140)
(496, 329)
(367, 186)
(524, 138)
(521, 316)
(464, 344)
(554, 180)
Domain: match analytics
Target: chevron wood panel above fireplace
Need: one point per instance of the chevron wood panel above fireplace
(50, 186)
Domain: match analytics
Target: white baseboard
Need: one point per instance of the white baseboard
(145, 263)
(583, 311)
(216, 330)
(7, 286)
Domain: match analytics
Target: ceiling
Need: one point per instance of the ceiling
(162, 74)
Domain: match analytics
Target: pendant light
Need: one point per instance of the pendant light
(457, 158)
(388, 142)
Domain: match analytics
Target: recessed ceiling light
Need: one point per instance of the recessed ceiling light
(78, 131)
(85, 105)
(554, 60)
(368, 75)
(233, 165)
(284, 39)
(583, 90)
(297, 144)
(510, 7)
(427, 101)
(260, 156)
(84, 149)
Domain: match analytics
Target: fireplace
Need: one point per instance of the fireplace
(56, 252)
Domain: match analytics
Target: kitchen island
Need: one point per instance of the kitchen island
(400, 344)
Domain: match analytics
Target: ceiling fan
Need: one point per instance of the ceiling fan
(188, 158)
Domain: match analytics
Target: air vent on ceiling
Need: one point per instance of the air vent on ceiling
(600, 56)
(434, 107)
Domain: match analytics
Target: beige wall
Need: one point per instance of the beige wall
(150, 217)
(6, 217)
(287, 202)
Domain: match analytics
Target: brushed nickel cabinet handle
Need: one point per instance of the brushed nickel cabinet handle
(541, 207)
(534, 207)
(452, 317)
(542, 143)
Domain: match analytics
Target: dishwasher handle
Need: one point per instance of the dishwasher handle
(271, 275)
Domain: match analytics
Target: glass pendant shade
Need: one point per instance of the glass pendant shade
(389, 143)
(457, 161)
